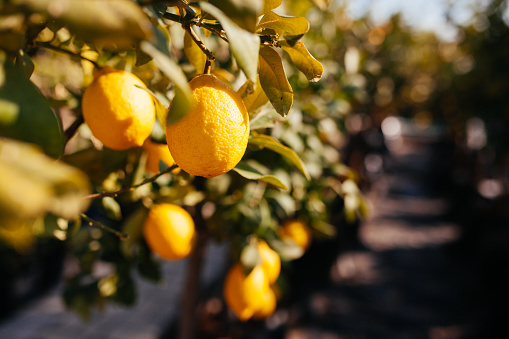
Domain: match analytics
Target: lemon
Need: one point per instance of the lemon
(271, 262)
(245, 295)
(169, 231)
(119, 113)
(212, 138)
(297, 231)
(269, 305)
(156, 153)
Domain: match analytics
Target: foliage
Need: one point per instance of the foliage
(292, 168)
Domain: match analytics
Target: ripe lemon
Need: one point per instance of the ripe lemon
(297, 231)
(156, 153)
(269, 305)
(245, 295)
(119, 114)
(169, 231)
(271, 262)
(212, 138)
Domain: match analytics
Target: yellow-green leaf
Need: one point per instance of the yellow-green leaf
(255, 98)
(112, 23)
(243, 44)
(161, 109)
(194, 54)
(304, 61)
(274, 82)
(295, 27)
(251, 173)
(269, 142)
(183, 99)
(243, 13)
(269, 5)
(32, 183)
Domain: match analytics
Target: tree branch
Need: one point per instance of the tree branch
(131, 188)
(65, 51)
(92, 222)
(71, 130)
(201, 45)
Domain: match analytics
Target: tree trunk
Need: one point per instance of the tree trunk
(187, 322)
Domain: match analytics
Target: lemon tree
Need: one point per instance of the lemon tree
(160, 126)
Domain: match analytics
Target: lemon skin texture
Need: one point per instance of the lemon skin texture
(243, 294)
(169, 231)
(212, 138)
(271, 262)
(118, 113)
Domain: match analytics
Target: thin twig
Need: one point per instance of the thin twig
(66, 51)
(215, 28)
(71, 130)
(131, 188)
(92, 222)
(199, 43)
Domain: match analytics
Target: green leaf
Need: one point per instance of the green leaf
(26, 115)
(243, 44)
(249, 257)
(117, 24)
(194, 54)
(112, 208)
(161, 109)
(162, 39)
(98, 165)
(264, 120)
(272, 144)
(243, 13)
(251, 173)
(254, 98)
(293, 27)
(133, 226)
(183, 99)
(24, 62)
(274, 82)
(269, 5)
(304, 61)
(148, 266)
(287, 249)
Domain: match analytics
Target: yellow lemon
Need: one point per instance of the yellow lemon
(156, 153)
(169, 231)
(212, 138)
(245, 295)
(119, 113)
(271, 262)
(269, 305)
(297, 231)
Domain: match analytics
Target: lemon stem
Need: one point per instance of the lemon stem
(131, 188)
(201, 45)
(65, 51)
(92, 222)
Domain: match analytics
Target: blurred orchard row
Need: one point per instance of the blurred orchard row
(71, 196)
